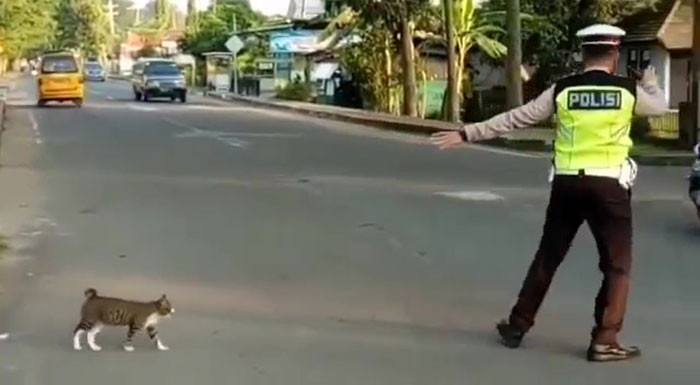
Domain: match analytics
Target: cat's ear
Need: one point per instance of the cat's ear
(162, 298)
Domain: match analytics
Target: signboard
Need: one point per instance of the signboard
(301, 41)
(234, 44)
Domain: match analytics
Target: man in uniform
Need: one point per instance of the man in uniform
(591, 181)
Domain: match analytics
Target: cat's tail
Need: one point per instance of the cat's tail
(90, 293)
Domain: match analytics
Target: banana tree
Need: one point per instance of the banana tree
(474, 29)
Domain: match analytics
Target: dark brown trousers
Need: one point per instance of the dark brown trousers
(605, 206)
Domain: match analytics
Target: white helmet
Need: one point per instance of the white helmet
(601, 34)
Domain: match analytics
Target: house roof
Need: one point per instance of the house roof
(669, 22)
(678, 31)
(645, 25)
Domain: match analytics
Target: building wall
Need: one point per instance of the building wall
(680, 79)
(653, 54)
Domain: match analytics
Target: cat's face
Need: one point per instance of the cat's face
(164, 307)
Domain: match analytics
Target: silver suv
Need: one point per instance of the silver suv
(158, 78)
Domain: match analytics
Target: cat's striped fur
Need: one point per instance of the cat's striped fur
(99, 311)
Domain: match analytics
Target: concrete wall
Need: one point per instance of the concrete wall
(680, 81)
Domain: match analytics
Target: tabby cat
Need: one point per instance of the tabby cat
(98, 311)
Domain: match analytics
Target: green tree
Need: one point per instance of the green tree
(399, 17)
(213, 27)
(549, 41)
(26, 26)
(369, 56)
(191, 14)
(165, 14)
(126, 15)
(83, 25)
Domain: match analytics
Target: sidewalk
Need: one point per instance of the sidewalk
(6, 86)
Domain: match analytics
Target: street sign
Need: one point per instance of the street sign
(234, 44)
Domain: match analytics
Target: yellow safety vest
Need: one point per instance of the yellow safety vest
(594, 118)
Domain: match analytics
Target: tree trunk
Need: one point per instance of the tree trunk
(452, 77)
(695, 71)
(514, 63)
(409, 68)
(389, 73)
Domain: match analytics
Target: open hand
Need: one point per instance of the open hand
(649, 78)
(446, 139)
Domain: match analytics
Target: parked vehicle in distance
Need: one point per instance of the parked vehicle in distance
(60, 79)
(153, 78)
(94, 71)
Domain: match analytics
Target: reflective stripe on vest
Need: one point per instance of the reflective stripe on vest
(593, 126)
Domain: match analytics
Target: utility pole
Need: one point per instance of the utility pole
(452, 86)
(235, 59)
(515, 53)
(695, 72)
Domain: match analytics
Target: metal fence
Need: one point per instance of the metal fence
(665, 126)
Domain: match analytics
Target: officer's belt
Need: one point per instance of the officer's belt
(611, 172)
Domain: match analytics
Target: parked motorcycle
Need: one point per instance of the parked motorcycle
(694, 190)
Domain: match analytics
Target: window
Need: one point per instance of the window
(638, 59)
(59, 64)
(162, 69)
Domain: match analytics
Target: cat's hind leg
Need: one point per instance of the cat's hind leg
(82, 327)
(91, 334)
(128, 344)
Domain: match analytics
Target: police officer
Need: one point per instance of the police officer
(591, 181)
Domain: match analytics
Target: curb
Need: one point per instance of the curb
(4, 91)
(381, 121)
(427, 127)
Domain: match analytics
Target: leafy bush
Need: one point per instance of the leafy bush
(296, 91)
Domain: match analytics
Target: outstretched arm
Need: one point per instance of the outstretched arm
(527, 115)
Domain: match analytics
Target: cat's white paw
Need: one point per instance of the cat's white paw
(163, 348)
(128, 348)
(95, 348)
(77, 347)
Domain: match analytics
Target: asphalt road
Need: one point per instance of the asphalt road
(303, 251)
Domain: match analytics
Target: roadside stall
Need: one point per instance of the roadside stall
(219, 67)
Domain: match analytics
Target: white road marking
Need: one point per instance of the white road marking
(35, 127)
(195, 132)
(485, 196)
(110, 97)
(266, 134)
(32, 119)
(141, 108)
